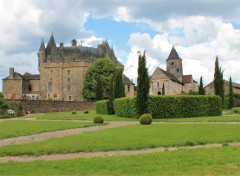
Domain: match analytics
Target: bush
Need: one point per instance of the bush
(17, 107)
(74, 112)
(146, 119)
(86, 112)
(3, 107)
(102, 107)
(98, 119)
(126, 107)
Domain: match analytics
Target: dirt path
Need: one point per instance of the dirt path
(58, 134)
(106, 154)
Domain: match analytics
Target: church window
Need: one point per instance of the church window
(68, 80)
(128, 88)
(158, 85)
(50, 86)
(68, 72)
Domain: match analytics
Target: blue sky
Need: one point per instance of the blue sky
(199, 30)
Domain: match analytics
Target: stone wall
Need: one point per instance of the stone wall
(43, 106)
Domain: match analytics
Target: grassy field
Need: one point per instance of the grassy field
(14, 128)
(131, 138)
(214, 161)
(235, 117)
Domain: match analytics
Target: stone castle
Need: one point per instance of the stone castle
(62, 71)
(173, 79)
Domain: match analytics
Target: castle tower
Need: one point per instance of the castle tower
(41, 54)
(174, 64)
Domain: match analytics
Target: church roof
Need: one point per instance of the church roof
(186, 79)
(170, 76)
(127, 80)
(173, 54)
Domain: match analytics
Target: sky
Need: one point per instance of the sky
(200, 30)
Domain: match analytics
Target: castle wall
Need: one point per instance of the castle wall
(12, 89)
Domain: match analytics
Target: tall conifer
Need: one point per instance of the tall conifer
(218, 81)
(143, 82)
(201, 90)
(99, 89)
(231, 99)
(163, 89)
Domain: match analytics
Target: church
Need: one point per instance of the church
(62, 69)
(173, 79)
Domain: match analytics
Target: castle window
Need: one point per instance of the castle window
(30, 88)
(70, 98)
(177, 69)
(69, 88)
(68, 72)
(172, 63)
(158, 85)
(55, 95)
(51, 71)
(50, 86)
(68, 80)
(128, 88)
(50, 79)
(48, 95)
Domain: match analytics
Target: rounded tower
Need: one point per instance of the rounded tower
(41, 54)
(174, 64)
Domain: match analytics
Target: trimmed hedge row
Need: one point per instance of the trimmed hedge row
(102, 107)
(172, 106)
(126, 107)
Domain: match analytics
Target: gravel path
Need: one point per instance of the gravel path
(58, 134)
(106, 154)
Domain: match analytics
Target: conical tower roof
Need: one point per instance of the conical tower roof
(42, 45)
(51, 44)
(173, 54)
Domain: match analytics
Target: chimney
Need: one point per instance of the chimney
(74, 42)
(11, 72)
(61, 45)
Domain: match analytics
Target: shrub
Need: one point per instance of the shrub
(86, 112)
(126, 107)
(146, 119)
(3, 106)
(102, 107)
(74, 112)
(98, 119)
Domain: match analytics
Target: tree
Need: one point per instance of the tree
(111, 96)
(218, 81)
(3, 106)
(99, 89)
(104, 67)
(201, 90)
(119, 89)
(163, 89)
(143, 82)
(231, 99)
(1, 96)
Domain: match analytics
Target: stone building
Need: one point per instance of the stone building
(62, 71)
(173, 79)
(209, 89)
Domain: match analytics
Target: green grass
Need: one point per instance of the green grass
(13, 128)
(81, 116)
(214, 161)
(131, 138)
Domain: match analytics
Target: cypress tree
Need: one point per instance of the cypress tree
(118, 89)
(99, 89)
(163, 89)
(201, 90)
(143, 82)
(111, 96)
(218, 81)
(231, 99)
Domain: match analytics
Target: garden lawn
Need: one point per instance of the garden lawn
(214, 161)
(131, 138)
(13, 128)
(81, 116)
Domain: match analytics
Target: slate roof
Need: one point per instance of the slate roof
(127, 80)
(28, 76)
(42, 46)
(186, 79)
(15, 76)
(173, 54)
(170, 76)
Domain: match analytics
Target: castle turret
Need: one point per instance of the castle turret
(41, 54)
(174, 64)
(51, 45)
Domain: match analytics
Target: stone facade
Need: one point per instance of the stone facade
(173, 79)
(62, 71)
(209, 89)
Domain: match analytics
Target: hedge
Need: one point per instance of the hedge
(102, 107)
(172, 106)
(226, 102)
(126, 107)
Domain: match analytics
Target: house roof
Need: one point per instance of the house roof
(170, 76)
(173, 54)
(186, 79)
(15, 76)
(236, 85)
(28, 76)
(127, 80)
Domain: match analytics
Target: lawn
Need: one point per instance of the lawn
(13, 128)
(234, 117)
(214, 161)
(131, 138)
